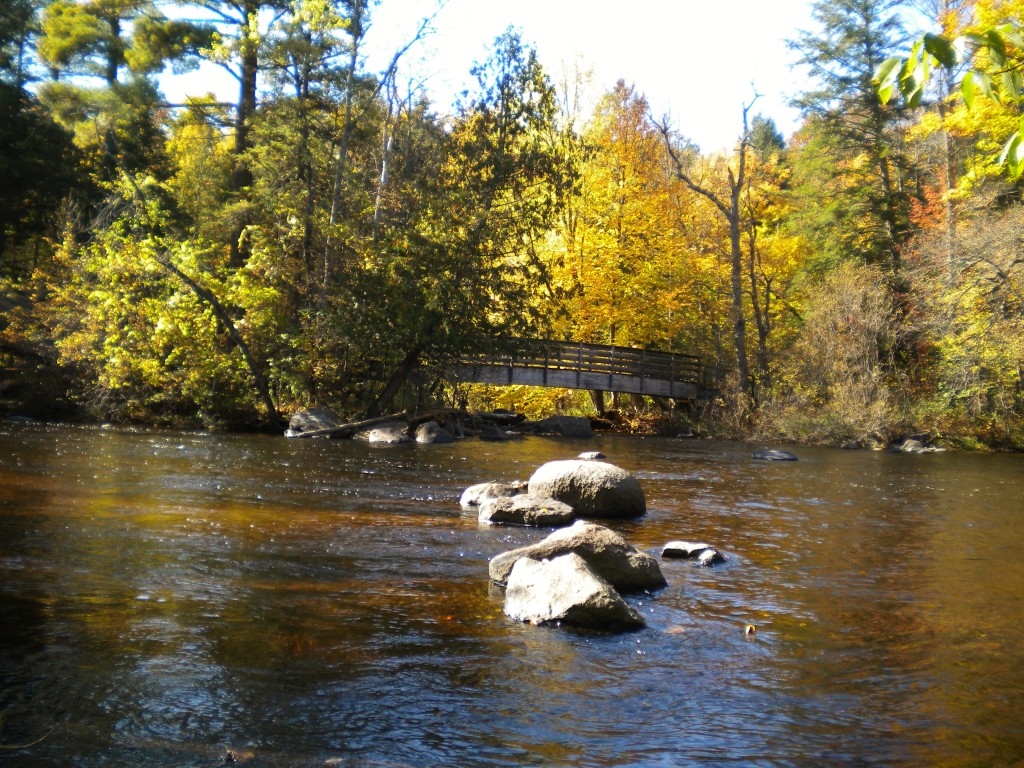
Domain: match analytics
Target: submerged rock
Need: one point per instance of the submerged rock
(592, 488)
(773, 454)
(611, 557)
(526, 509)
(566, 590)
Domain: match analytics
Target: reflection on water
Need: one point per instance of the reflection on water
(166, 597)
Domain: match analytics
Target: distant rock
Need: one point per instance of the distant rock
(389, 432)
(525, 509)
(491, 432)
(475, 495)
(611, 557)
(704, 554)
(913, 445)
(566, 590)
(593, 489)
(432, 432)
(773, 454)
(312, 419)
(566, 426)
(591, 456)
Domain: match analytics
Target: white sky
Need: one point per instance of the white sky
(699, 60)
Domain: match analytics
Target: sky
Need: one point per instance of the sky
(698, 62)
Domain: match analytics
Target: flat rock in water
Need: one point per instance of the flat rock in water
(475, 495)
(566, 590)
(591, 456)
(607, 553)
(525, 509)
(703, 553)
(593, 489)
(683, 549)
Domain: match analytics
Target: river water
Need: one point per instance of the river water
(167, 597)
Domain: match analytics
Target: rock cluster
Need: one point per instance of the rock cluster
(575, 576)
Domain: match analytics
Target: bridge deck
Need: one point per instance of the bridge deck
(572, 365)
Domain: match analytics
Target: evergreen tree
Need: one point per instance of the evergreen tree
(855, 177)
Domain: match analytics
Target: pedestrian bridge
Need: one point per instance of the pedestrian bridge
(575, 365)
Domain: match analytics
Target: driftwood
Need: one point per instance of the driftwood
(347, 430)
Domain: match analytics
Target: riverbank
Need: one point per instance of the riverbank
(46, 394)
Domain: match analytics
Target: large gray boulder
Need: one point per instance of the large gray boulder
(566, 590)
(524, 509)
(432, 432)
(607, 553)
(593, 489)
(476, 495)
(311, 420)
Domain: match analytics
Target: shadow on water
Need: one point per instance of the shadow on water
(167, 597)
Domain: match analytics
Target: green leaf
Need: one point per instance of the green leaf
(996, 47)
(1011, 33)
(1011, 152)
(942, 49)
(968, 89)
(887, 76)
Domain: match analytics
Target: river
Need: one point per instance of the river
(167, 597)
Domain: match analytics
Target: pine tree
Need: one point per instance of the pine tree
(861, 184)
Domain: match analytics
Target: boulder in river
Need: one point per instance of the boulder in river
(773, 454)
(913, 445)
(593, 489)
(703, 553)
(566, 590)
(607, 553)
(475, 495)
(312, 419)
(432, 432)
(591, 456)
(390, 432)
(566, 426)
(525, 509)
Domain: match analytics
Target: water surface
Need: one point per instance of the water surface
(166, 597)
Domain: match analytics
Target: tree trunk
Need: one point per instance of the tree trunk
(241, 176)
(394, 384)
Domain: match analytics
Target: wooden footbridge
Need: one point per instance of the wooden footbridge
(575, 365)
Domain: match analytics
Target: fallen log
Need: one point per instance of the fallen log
(349, 429)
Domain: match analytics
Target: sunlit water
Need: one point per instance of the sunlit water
(167, 597)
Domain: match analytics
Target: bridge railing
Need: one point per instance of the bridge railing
(601, 359)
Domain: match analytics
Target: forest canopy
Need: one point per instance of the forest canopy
(331, 237)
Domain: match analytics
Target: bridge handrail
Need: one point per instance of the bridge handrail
(599, 358)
